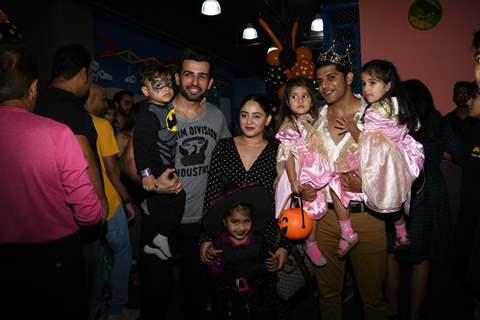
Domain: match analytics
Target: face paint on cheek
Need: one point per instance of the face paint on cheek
(158, 85)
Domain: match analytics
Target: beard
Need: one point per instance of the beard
(189, 97)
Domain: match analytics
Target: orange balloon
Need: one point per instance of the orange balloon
(272, 57)
(308, 69)
(304, 53)
(272, 35)
(281, 91)
(293, 226)
(302, 69)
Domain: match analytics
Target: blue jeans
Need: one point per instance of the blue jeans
(117, 247)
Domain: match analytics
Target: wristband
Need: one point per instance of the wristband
(145, 173)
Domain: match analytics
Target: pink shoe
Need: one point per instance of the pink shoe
(402, 243)
(314, 253)
(346, 243)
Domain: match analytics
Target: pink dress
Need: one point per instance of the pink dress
(389, 159)
(312, 168)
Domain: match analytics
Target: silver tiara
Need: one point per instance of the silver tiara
(332, 56)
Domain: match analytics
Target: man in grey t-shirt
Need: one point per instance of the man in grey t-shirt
(199, 127)
(196, 139)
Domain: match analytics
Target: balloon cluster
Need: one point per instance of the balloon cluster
(8, 31)
(286, 62)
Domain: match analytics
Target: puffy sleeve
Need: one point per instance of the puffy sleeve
(287, 137)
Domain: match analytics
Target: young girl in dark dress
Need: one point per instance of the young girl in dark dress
(244, 267)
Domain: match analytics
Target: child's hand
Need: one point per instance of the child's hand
(277, 260)
(208, 252)
(296, 187)
(271, 262)
(149, 183)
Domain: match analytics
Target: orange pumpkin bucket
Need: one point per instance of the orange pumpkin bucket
(294, 223)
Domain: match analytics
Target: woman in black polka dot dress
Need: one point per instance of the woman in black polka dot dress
(249, 158)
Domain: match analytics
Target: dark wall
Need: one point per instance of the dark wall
(47, 25)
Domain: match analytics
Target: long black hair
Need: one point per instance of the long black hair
(431, 121)
(386, 72)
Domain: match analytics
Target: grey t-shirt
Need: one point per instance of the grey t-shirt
(196, 140)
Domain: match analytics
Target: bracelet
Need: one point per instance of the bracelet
(145, 173)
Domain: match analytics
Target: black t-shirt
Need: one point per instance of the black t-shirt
(460, 127)
(155, 138)
(65, 107)
(471, 174)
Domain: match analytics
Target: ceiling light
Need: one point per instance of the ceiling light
(211, 8)
(249, 33)
(271, 49)
(317, 24)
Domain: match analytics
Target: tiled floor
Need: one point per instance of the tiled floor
(306, 306)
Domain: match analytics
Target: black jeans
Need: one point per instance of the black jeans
(157, 279)
(43, 280)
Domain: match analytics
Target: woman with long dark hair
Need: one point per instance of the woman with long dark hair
(249, 158)
(429, 222)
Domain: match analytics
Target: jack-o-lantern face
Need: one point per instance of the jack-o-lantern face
(293, 226)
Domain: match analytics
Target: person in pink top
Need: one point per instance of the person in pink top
(46, 197)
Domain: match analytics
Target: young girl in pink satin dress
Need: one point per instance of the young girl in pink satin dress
(301, 160)
(388, 158)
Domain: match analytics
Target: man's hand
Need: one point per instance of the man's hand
(131, 210)
(348, 125)
(308, 192)
(168, 182)
(208, 253)
(352, 182)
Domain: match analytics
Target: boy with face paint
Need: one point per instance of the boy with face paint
(154, 141)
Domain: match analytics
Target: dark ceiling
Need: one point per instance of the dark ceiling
(221, 35)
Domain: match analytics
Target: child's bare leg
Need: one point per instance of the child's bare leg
(348, 237)
(402, 234)
(292, 173)
(312, 249)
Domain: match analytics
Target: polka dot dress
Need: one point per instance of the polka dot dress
(227, 172)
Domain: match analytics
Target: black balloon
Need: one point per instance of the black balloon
(276, 76)
(287, 57)
(8, 31)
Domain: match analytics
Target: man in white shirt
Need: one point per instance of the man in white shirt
(334, 78)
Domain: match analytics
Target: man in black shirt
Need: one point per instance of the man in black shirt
(467, 230)
(62, 101)
(458, 118)
(471, 183)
